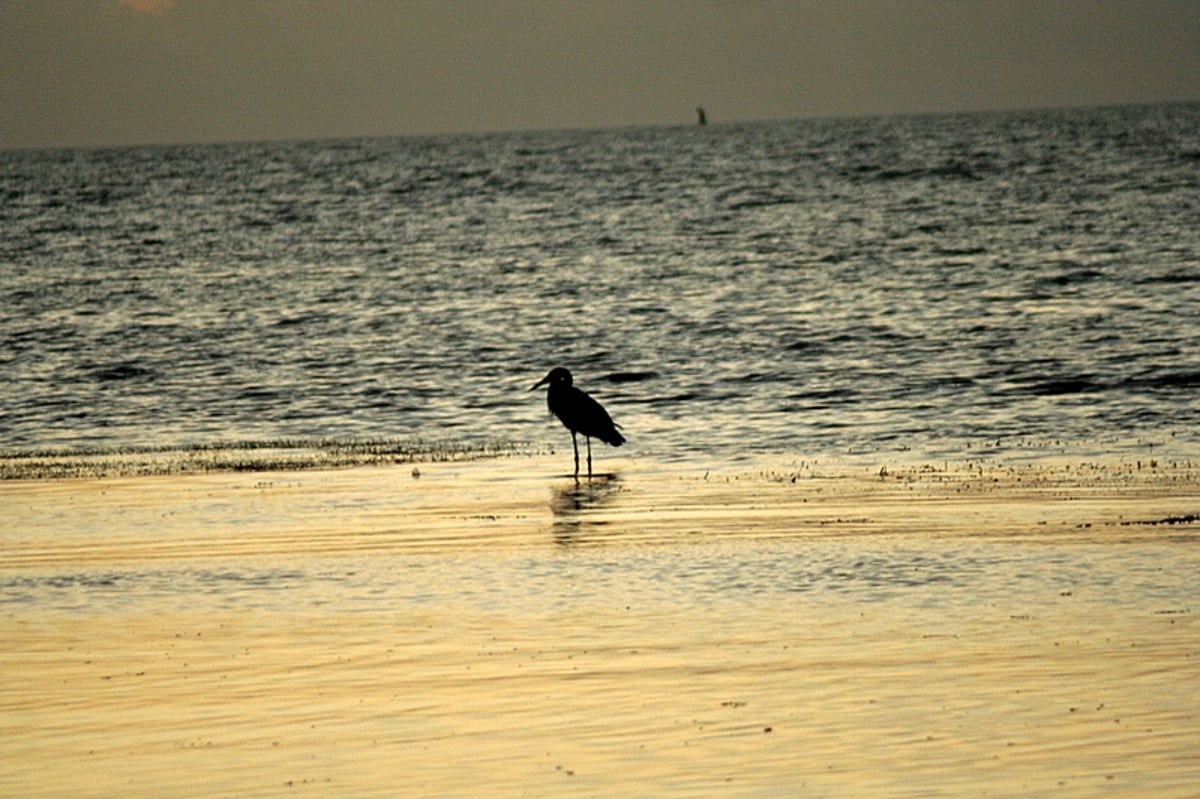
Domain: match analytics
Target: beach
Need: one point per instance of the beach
(765, 627)
(909, 504)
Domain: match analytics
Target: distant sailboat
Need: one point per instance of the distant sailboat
(701, 117)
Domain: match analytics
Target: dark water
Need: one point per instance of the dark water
(903, 283)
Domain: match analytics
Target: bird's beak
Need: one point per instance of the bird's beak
(540, 383)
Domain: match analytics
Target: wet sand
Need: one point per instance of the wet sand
(776, 628)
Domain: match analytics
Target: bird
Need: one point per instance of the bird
(579, 413)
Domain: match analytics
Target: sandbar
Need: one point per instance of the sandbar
(774, 627)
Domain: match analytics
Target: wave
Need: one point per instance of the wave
(1089, 383)
(293, 454)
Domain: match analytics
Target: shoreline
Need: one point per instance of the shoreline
(273, 455)
(431, 505)
(782, 627)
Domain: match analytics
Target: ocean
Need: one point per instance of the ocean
(1018, 282)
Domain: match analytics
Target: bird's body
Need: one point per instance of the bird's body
(579, 413)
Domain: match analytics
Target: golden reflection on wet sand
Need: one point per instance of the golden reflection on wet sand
(492, 629)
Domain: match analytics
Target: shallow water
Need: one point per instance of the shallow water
(799, 629)
(601, 697)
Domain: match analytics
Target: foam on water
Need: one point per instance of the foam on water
(240, 456)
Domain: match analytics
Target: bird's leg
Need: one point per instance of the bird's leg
(589, 443)
(575, 444)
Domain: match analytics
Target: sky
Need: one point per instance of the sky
(115, 72)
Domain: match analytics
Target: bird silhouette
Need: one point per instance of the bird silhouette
(579, 413)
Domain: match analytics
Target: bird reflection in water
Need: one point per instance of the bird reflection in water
(573, 503)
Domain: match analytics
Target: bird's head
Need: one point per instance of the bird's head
(558, 376)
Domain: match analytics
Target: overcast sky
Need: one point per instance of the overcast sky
(97, 72)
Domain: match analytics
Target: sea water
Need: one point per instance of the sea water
(916, 283)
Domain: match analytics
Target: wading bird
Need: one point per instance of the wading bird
(579, 413)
